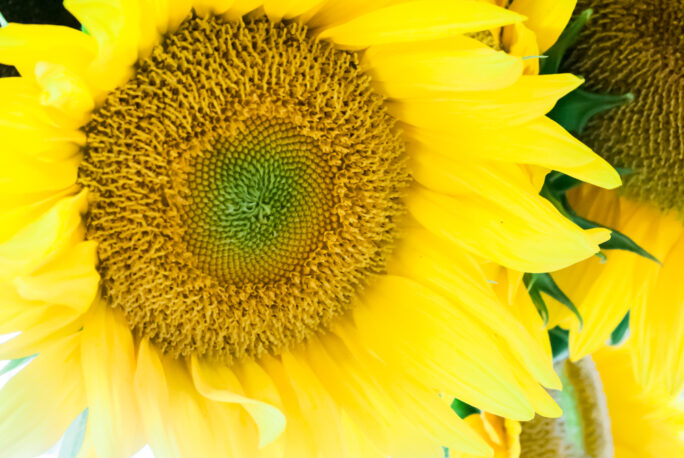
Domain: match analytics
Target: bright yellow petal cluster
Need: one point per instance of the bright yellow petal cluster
(653, 293)
(479, 145)
(643, 424)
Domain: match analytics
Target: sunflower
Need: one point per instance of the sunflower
(242, 227)
(606, 414)
(628, 47)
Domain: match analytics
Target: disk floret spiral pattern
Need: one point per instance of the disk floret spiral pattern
(245, 185)
(259, 204)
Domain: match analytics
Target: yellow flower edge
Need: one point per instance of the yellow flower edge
(478, 144)
(638, 424)
(649, 291)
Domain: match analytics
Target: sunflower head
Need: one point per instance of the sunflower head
(638, 47)
(222, 218)
(224, 193)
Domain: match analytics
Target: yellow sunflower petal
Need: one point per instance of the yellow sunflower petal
(152, 395)
(205, 7)
(526, 313)
(603, 292)
(356, 440)
(508, 192)
(260, 387)
(25, 45)
(87, 448)
(32, 133)
(190, 417)
(454, 64)
(522, 242)
(35, 244)
(235, 432)
(299, 437)
(348, 391)
(115, 25)
(221, 384)
(20, 211)
(446, 344)
(108, 359)
(276, 10)
(527, 99)
(642, 424)
(27, 174)
(432, 423)
(242, 7)
(418, 20)
(546, 18)
(65, 91)
(44, 102)
(522, 42)
(335, 12)
(541, 142)
(178, 11)
(502, 435)
(350, 364)
(658, 326)
(36, 410)
(537, 396)
(70, 279)
(154, 23)
(39, 325)
(602, 306)
(318, 407)
(454, 275)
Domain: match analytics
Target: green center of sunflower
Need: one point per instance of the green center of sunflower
(245, 185)
(583, 430)
(259, 204)
(637, 46)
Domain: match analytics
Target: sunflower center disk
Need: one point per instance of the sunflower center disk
(245, 185)
(637, 46)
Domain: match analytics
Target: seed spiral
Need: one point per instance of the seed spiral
(245, 185)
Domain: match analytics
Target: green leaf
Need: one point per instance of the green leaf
(559, 339)
(463, 409)
(619, 334)
(560, 183)
(14, 363)
(73, 438)
(535, 295)
(568, 38)
(574, 111)
(554, 189)
(544, 283)
(617, 241)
